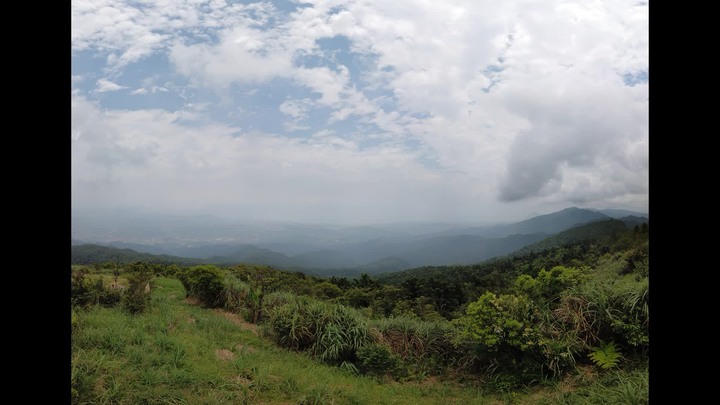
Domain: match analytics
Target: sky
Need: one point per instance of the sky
(359, 111)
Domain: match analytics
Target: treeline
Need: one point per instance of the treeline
(605, 232)
(108, 257)
(511, 321)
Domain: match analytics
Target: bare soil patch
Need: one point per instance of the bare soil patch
(238, 320)
(224, 354)
(248, 349)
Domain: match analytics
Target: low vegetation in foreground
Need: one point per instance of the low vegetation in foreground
(568, 325)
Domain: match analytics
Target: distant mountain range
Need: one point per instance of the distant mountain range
(601, 232)
(545, 224)
(341, 250)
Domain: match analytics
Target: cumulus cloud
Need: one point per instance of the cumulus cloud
(581, 115)
(491, 105)
(104, 85)
(243, 54)
(146, 158)
(129, 31)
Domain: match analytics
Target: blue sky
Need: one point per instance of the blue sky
(360, 111)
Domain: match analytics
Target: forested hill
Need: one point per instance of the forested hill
(89, 254)
(594, 231)
(580, 246)
(550, 223)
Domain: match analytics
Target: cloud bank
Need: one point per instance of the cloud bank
(356, 111)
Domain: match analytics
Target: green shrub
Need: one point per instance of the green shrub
(327, 290)
(614, 310)
(506, 333)
(379, 360)
(500, 322)
(279, 298)
(331, 332)
(410, 337)
(79, 287)
(547, 287)
(136, 298)
(238, 295)
(84, 292)
(107, 297)
(206, 283)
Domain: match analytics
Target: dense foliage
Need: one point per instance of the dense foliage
(510, 322)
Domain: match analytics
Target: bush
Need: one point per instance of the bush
(79, 288)
(331, 332)
(327, 290)
(237, 296)
(107, 297)
(414, 338)
(136, 297)
(548, 285)
(84, 292)
(614, 311)
(206, 283)
(506, 336)
(378, 360)
(500, 322)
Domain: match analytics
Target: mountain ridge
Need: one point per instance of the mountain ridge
(378, 254)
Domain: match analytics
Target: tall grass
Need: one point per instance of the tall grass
(332, 332)
(179, 353)
(169, 355)
(615, 310)
(411, 337)
(631, 388)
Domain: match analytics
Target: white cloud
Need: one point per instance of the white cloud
(295, 108)
(104, 85)
(243, 54)
(110, 25)
(139, 29)
(522, 101)
(147, 158)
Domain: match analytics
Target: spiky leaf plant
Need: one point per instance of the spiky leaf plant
(606, 356)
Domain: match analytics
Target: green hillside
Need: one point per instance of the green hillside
(181, 353)
(579, 245)
(90, 254)
(569, 324)
(594, 231)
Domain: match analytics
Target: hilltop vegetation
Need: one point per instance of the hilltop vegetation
(567, 324)
(108, 256)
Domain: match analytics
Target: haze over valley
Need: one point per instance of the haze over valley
(326, 249)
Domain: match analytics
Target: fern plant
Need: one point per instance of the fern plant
(606, 356)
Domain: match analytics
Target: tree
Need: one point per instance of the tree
(326, 290)
(358, 297)
(341, 282)
(365, 281)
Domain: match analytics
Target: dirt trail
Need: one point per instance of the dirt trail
(235, 318)
(238, 320)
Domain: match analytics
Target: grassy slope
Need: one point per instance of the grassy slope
(173, 355)
(180, 353)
